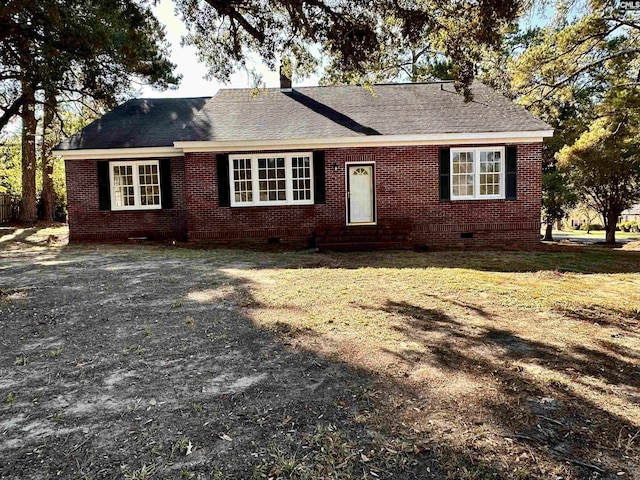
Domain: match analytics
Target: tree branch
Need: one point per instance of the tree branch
(11, 111)
(225, 9)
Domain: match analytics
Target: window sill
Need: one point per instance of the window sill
(271, 204)
(136, 209)
(471, 199)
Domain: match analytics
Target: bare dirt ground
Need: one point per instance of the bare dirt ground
(136, 362)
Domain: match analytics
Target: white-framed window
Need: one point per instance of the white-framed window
(135, 185)
(477, 173)
(271, 179)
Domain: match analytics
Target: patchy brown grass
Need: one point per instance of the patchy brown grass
(521, 365)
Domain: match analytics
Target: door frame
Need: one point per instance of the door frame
(371, 164)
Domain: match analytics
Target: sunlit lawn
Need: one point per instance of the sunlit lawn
(596, 234)
(519, 363)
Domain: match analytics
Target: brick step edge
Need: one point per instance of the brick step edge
(363, 232)
(363, 246)
(367, 239)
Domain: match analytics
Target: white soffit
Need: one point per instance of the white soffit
(367, 141)
(180, 148)
(111, 153)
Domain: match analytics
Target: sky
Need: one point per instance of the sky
(194, 85)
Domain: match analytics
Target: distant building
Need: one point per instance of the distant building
(631, 214)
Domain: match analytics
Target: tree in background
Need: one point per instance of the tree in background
(557, 197)
(566, 75)
(350, 34)
(604, 164)
(70, 51)
(398, 59)
(11, 169)
(66, 122)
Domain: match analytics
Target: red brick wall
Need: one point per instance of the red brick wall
(406, 192)
(88, 222)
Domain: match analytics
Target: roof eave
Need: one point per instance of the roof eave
(534, 136)
(181, 147)
(113, 153)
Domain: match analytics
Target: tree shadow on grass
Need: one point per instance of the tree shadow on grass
(16, 235)
(145, 370)
(149, 362)
(563, 259)
(558, 418)
(625, 320)
(586, 259)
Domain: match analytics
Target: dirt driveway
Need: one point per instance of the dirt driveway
(135, 362)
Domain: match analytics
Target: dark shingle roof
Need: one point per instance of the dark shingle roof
(143, 122)
(305, 112)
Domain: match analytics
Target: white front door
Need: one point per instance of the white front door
(360, 195)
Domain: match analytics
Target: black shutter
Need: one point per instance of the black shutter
(224, 192)
(319, 183)
(165, 183)
(512, 173)
(104, 188)
(445, 174)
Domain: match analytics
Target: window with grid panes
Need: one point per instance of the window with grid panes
(135, 185)
(271, 179)
(301, 175)
(242, 185)
(272, 185)
(477, 173)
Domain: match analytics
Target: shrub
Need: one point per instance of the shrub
(592, 226)
(630, 226)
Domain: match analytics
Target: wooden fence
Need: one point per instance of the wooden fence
(5, 208)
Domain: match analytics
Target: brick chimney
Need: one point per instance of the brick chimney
(285, 81)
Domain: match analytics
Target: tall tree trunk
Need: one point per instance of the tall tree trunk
(610, 226)
(548, 236)
(611, 234)
(28, 211)
(48, 193)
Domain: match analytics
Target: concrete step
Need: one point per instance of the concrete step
(362, 246)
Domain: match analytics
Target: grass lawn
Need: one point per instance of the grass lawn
(470, 365)
(598, 235)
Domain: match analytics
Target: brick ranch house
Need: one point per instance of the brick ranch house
(337, 166)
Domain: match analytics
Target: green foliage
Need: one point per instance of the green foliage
(11, 169)
(143, 473)
(397, 59)
(596, 227)
(630, 226)
(350, 38)
(60, 188)
(557, 197)
(580, 74)
(604, 166)
(11, 160)
(73, 50)
(577, 57)
(55, 352)
(82, 48)
(21, 360)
